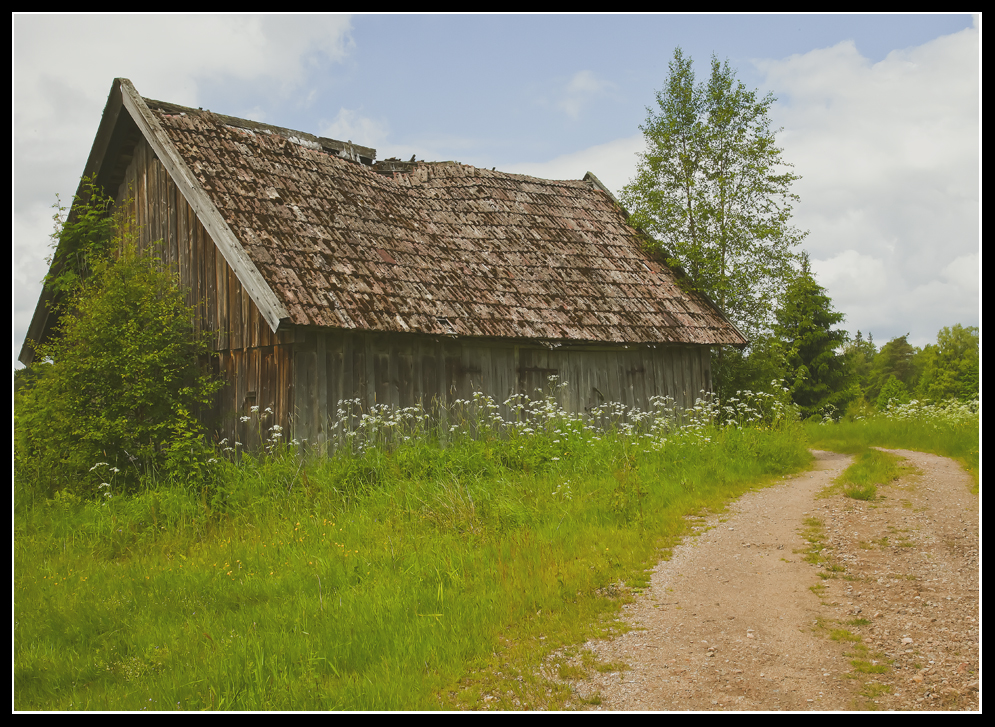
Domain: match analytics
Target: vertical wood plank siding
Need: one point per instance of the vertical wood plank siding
(383, 372)
(302, 374)
(256, 363)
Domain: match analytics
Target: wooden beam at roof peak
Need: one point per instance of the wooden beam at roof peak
(266, 300)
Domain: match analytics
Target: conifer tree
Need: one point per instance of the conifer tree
(819, 374)
(894, 359)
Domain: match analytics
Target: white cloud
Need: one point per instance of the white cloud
(613, 163)
(166, 54)
(349, 125)
(254, 113)
(584, 88)
(889, 153)
(62, 75)
(965, 273)
(875, 297)
(63, 66)
(30, 248)
(857, 277)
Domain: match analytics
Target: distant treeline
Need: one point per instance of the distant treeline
(948, 369)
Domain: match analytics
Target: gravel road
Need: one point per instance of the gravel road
(795, 600)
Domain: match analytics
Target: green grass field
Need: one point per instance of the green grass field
(403, 574)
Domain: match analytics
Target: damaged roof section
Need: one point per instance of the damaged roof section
(344, 149)
(436, 248)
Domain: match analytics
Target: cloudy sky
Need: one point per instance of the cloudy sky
(880, 117)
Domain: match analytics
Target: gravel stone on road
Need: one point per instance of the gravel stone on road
(799, 598)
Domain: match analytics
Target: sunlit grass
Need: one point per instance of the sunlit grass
(870, 469)
(405, 571)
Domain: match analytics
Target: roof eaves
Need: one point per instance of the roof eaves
(679, 273)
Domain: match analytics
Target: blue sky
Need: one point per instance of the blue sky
(880, 117)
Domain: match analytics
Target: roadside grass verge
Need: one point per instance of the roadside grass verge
(409, 575)
(870, 469)
(950, 430)
(865, 663)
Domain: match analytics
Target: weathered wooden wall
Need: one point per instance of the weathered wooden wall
(302, 374)
(407, 370)
(256, 363)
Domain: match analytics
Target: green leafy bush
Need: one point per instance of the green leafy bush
(115, 393)
(892, 391)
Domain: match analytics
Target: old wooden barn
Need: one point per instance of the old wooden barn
(325, 275)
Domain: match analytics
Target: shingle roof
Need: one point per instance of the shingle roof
(440, 248)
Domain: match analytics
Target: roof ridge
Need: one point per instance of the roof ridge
(393, 165)
(345, 149)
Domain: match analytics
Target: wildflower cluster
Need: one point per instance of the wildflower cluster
(946, 413)
(227, 448)
(520, 418)
(382, 426)
(758, 408)
(104, 488)
(562, 491)
(270, 437)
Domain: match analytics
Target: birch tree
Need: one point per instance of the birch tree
(714, 193)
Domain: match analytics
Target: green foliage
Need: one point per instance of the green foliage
(951, 368)
(892, 391)
(860, 355)
(123, 379)
(84, 239)
(818, 372)
(713, 188)
(894, 359)
(944, 371)
(759, 367)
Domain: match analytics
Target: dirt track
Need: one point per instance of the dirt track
(737, 619)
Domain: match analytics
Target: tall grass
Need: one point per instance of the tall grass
(951, 429)
(870, 469)
(397, 573)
